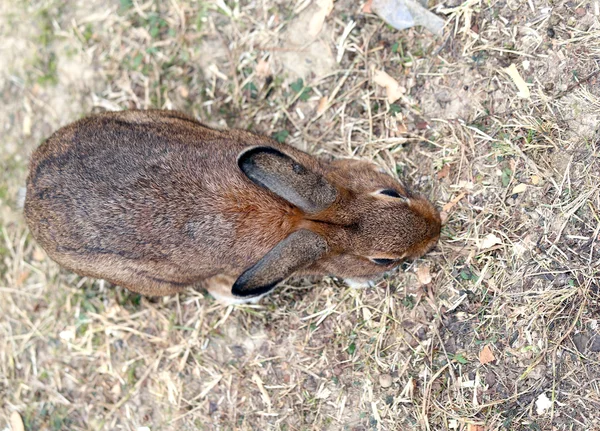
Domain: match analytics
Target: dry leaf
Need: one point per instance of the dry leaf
(444, 172)
(261, 387)
(16, 423)
(486, 355)
(519, 188)
(323, 393)
(453, 202)
(393, 90)
(367, 6)
(475, 427)
(327, 5)
(489, 241)
(367, 315)
(22, 277)
(542, 404)
(467, 185)
(322, 105)
(318, 19)
(518, 80)
(423, 274)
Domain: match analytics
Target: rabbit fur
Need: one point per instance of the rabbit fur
(155, 201)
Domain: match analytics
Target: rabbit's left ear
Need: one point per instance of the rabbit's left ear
(290, 180)
(297, 251)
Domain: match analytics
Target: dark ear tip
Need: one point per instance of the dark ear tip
(245, 159)
(241, 290)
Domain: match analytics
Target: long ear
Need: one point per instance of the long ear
(273, 170)
(298, 250)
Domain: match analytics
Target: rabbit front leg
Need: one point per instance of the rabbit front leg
(219, 287)
(354, 283)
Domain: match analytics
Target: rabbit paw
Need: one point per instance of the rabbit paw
(358, 284)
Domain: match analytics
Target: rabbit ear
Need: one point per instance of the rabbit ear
(276, 171)
(298, 250)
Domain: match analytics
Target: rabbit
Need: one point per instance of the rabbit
(154, 201)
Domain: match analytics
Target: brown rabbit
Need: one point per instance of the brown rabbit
(154, 201)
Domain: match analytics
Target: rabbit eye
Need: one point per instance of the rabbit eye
(384, 262)
(391, 193)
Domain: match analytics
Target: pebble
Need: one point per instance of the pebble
(595, 344)
(537, 373)
(385, 380)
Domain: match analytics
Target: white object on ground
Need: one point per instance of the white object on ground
(542, 404)
(522, 86)
(358, 284)
(402, 14)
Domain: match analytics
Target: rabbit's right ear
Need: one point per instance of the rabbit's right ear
(278, 172)
(297, 251)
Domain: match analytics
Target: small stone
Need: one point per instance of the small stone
(450, 346)
(580, 11)
(550, 32)
(385, 380)
(238, 351)
(595, 344)
(581, 341)
(537, 373)
(412, 341)
(212, 407)
(490, 379)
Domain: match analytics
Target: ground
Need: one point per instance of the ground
(497, 328)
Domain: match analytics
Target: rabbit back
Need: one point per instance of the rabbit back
(149, 198)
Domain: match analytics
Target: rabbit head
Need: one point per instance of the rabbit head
(348, 219)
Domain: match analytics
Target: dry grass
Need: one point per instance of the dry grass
(517, 268)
